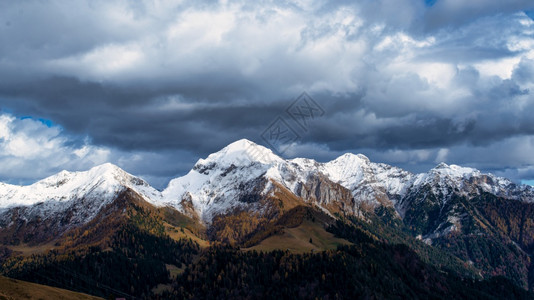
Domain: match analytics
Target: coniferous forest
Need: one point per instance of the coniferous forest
(142, 263)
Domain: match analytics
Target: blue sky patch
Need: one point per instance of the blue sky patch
(430, 2)
(46, 122)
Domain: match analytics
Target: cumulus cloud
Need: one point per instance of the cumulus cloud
(31, 149)
(408, 82)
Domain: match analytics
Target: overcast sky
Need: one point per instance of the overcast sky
(154, 85)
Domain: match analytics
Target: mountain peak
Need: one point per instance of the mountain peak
(348, 165)
(351, 157)
(242, 152)
(453, 171)
(242, 143)
(363, 157)
(106, 171)
(442, 165)
(106, 168)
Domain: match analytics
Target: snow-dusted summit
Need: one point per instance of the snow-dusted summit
(99, 184)
(445, 179)
(223, 180)
(242, 173)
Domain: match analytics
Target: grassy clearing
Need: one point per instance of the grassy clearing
(17, 289)
(27, 250)
(297, 239)
(177, 233)
(174, 270)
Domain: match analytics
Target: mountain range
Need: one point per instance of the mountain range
(455, 218)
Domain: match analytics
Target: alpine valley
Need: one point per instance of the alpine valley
(245, 223)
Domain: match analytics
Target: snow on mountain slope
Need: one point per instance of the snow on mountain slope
(242, 153)
(244, 169)
(212, 189)
(221, 181)
(445, 179)
(370, 182)
(98, 186)
(444, 176)
(241, 172)
(225, 180)
(433, 201)
(48, 208)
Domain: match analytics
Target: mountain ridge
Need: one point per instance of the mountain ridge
(245, 194)
(376, 183)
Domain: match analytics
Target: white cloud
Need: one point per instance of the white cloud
(442, 155)
(290, 46)
(502, 67)
(32, 150)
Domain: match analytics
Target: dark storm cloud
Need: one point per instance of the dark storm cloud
(139, 118)
(153, 85)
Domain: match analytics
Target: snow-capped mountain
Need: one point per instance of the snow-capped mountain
(64, 201)
(244, 193)
(469, 181)
(243, 175)
(223, 180)
(434, 202)
(371, 182)
(100, 183)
